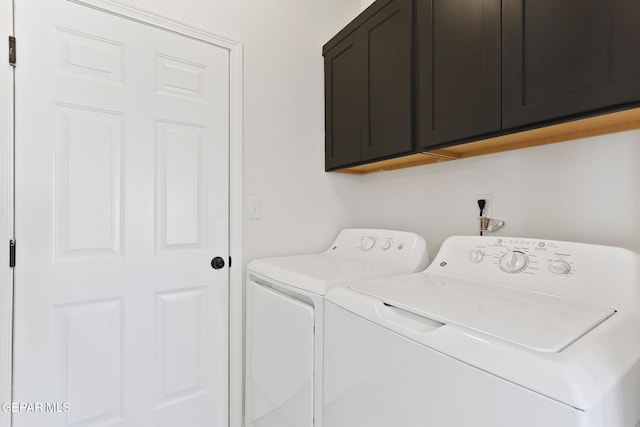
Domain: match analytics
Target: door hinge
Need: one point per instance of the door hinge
(12, 253)
(12, 51)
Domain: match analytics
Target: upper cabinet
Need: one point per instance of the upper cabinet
(368, 87)
(456, 78)
(343, 78)
(458, 70)
(562, 58)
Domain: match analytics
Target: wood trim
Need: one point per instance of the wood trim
(593, 126)
(402, 162)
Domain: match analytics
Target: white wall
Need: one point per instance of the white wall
(584, 190)
(365, 3)
(302, 207)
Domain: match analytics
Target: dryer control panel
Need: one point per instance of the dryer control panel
(384, 246)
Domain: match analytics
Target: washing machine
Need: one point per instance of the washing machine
(285, 306)
(496, 332)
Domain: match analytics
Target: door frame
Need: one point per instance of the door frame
(6, 208)
(236, 277)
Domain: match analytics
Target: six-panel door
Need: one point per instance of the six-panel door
(122, 138)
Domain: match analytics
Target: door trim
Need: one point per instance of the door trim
(6, 212)
(236, 294)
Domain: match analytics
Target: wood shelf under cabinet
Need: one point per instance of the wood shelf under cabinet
(584, 128)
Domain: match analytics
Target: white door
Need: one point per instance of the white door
(122, 141)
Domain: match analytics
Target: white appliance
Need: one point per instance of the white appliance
(497, 332)
(285, 304)
(285, 299)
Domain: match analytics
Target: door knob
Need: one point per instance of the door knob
(217, 263)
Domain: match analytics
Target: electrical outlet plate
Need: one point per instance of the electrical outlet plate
(488, 207)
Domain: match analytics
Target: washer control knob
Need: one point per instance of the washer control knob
(559, 266)
(386, 244)
(513, 262)
(476, 256)
(368, 243)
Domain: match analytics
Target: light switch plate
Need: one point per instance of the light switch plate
(255, 207)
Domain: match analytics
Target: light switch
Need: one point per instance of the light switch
(255, 208)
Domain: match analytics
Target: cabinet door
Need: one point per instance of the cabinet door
(343, 70)
(458, 69)
(569, 57)
(387, 107)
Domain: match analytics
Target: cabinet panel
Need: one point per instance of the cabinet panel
(459, 69)
(386, 125)
(562, 58)
(343, 70)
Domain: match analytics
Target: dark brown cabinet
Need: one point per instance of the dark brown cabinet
(569, 57)
(342, 103)
(415, 76)
(368, 87)
(458, 44)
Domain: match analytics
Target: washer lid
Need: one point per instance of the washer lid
(537, 321)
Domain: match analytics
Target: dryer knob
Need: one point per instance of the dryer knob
(368, 243)
(386, 244)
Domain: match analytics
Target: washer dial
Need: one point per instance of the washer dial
(476, 256)
(559, 266)
(513, 262)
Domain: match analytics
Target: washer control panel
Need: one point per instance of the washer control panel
(527, 256)
(599, 274)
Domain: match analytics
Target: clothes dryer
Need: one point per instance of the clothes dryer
(285, 307)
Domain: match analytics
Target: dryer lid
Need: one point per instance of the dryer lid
(536, 321)
(317, 273)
